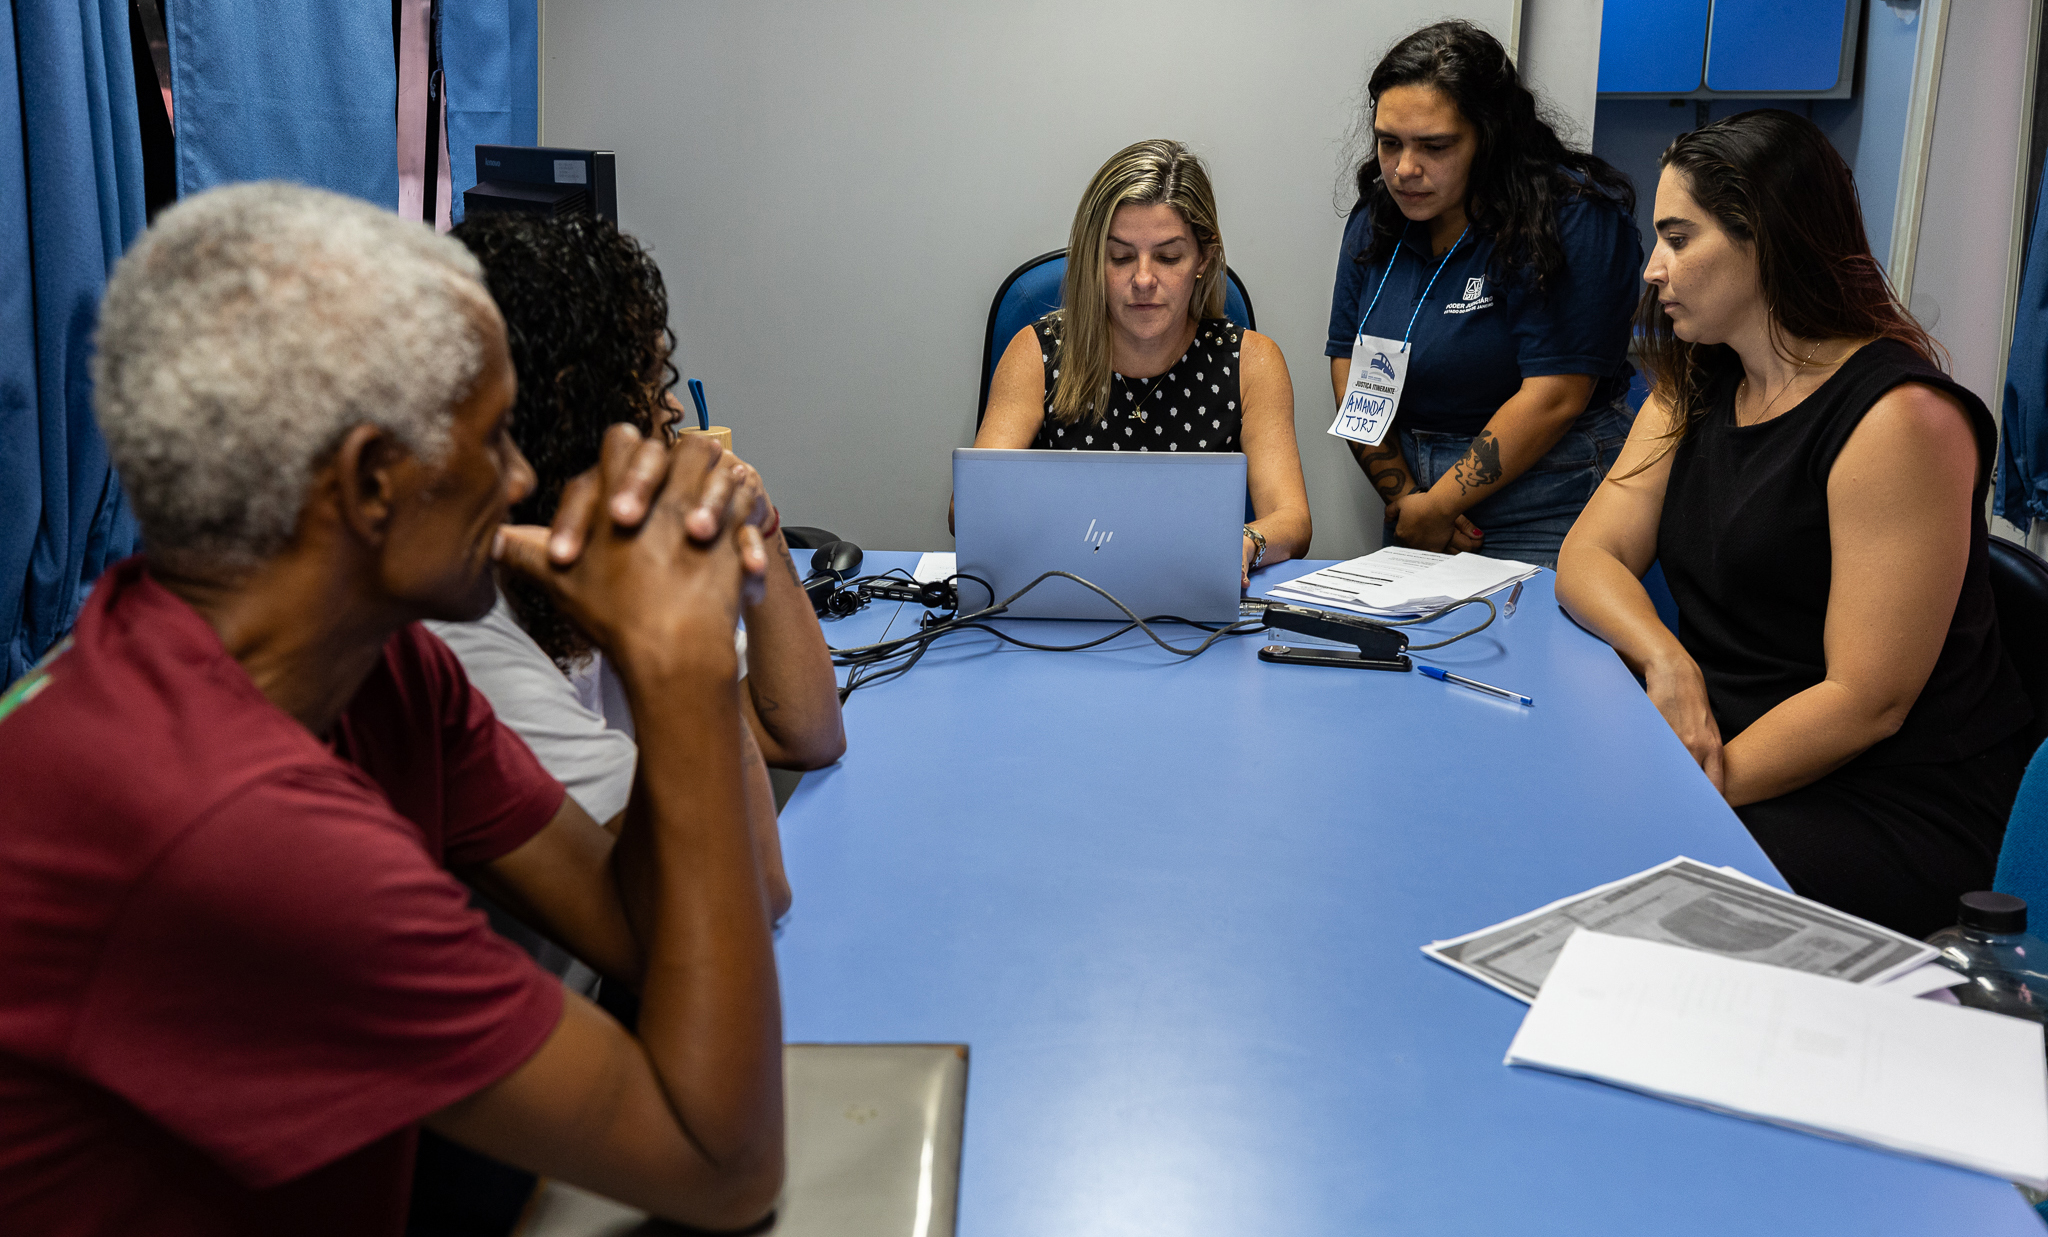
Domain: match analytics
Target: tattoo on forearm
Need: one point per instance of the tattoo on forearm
(1481, 465)
(1385, 468)
(764, 704)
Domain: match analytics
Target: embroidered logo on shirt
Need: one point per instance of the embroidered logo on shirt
(1475, 297)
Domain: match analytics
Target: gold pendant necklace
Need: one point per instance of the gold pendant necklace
(1760, 417)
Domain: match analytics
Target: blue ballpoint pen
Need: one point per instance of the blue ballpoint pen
(1438, 672)
(697, 397)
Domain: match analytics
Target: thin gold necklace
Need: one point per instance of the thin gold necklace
(1137, 412)
(1760, 417)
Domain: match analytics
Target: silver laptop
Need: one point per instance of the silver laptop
(1162, 531)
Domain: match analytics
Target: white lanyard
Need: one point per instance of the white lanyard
(1379, 367)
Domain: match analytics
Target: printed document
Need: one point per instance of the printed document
(1959, 1086)
(1927, 979)
(1681, 902)
(1400, 582)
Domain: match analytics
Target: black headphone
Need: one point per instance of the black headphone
(834, 590)
(832, 565)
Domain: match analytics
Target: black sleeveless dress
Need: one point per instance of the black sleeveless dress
(1897, 834)
(1193, 406)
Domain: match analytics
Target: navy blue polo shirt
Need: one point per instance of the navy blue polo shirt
(1477, 339)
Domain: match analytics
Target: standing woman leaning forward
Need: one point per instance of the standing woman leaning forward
(1506, 264)
(1141, 357)
(1814, 487)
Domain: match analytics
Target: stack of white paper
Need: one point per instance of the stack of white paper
(1399, 582)
(1929, 979)
(1961, 1086)
(933, 566)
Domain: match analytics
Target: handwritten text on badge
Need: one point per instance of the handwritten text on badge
(1379, 369)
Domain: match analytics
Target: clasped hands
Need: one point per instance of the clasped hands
(654, 551)
(1423, 522)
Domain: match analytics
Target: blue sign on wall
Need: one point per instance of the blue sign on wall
(1698, 48)
(1779, 45)
(1660, 47)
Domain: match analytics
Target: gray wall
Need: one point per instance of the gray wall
(834, 192)
(1965, 265)
(1560, 60)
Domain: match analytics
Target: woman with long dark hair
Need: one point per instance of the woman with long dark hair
(1479, 327)
(1813, 484)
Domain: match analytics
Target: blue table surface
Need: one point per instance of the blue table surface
(1175, 909)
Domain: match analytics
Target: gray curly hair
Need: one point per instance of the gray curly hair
(248, 331)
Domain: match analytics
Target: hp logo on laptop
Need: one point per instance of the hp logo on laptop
(1097, 539)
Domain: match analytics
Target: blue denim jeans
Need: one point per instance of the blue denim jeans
(1528, 520)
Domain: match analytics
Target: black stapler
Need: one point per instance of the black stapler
(1378, 648)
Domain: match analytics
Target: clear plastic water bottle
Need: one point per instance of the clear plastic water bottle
(2007, 968)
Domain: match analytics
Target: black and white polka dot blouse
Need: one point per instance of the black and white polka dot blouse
(1193, 406)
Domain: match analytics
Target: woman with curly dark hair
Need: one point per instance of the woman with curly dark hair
(586, 315)
(1480, 324)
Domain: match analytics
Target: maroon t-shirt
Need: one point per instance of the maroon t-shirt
(234, 969)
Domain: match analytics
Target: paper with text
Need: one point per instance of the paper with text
(1681, 902)
(1960, 1086)
(1398, 581)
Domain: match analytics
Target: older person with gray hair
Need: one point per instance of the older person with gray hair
(237, 970)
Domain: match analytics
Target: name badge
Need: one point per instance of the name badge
(1379, 367)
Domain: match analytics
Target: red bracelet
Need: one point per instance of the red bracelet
(774, 523)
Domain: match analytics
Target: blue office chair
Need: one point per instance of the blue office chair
(2023, 858)
(2019, 587)
(1033, 291)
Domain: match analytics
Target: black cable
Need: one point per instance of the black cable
(1491, 614)
(868, 664)
(885, 648)
(855, 679)
(988, 588)
(863, 660)
(1216, 633)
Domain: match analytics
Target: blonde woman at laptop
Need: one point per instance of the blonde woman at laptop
(1142, 359)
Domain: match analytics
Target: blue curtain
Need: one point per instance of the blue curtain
(2022, 495)
(490, 54)
(304, 92)
(309, 92)
(71, 199)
